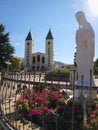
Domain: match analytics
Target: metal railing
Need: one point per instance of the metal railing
(10, 88)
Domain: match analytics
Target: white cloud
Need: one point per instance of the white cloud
(93, 7)
(17, 44)
(17, 40)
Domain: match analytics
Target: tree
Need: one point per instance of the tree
(96, 67)
(6, 50)
(16, 63)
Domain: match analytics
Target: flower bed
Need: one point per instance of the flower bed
(48, 107)
(92, 123)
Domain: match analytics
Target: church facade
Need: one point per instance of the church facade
(39, 61)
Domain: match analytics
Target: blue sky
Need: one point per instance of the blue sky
(20, 16)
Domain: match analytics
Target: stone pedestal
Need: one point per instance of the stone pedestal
(73, 75)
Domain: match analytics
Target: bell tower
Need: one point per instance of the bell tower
(29, 50)
(49, 50)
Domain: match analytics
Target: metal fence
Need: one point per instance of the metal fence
(14, 83)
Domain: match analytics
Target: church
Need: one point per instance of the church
(37, 60)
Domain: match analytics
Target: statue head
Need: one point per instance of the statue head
(80, 16)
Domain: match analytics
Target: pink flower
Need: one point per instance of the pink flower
(54, 95)
(44, 94)
(40, 100)
(34, 112)
(22, 98)
(35, 95)
(46, 109)
(97, 106)
(31, 100)
(93, 116)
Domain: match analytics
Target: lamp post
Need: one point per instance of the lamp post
(8, 64)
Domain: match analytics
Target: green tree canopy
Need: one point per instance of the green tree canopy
(15, 63)
(6, 49)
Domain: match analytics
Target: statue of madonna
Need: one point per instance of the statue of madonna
(85, 50)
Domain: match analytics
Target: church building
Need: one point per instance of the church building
(38, 60)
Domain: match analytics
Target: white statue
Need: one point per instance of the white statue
(85, 50)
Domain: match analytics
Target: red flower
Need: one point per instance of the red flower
(40, 100)
(46, 109)
(34, 112)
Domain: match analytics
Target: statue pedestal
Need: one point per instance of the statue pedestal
(89, 94)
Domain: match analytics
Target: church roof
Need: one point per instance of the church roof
(29, 36)
(38, 53)
(49, 35)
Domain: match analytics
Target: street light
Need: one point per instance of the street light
(8, 64)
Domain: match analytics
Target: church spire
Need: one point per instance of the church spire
(29, 36)
(49, 35)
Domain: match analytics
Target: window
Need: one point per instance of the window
(38, 68)
(48, 61)
(43, 60)
(27, 51)
(48, 49)
(38, 58)
(48, 43)
(34, 59)
(28, 43)
(33, 68)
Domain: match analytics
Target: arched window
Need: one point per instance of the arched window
(43, 59)
(38, 58)
(28, 43)
(34, 59)
(49, 43)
